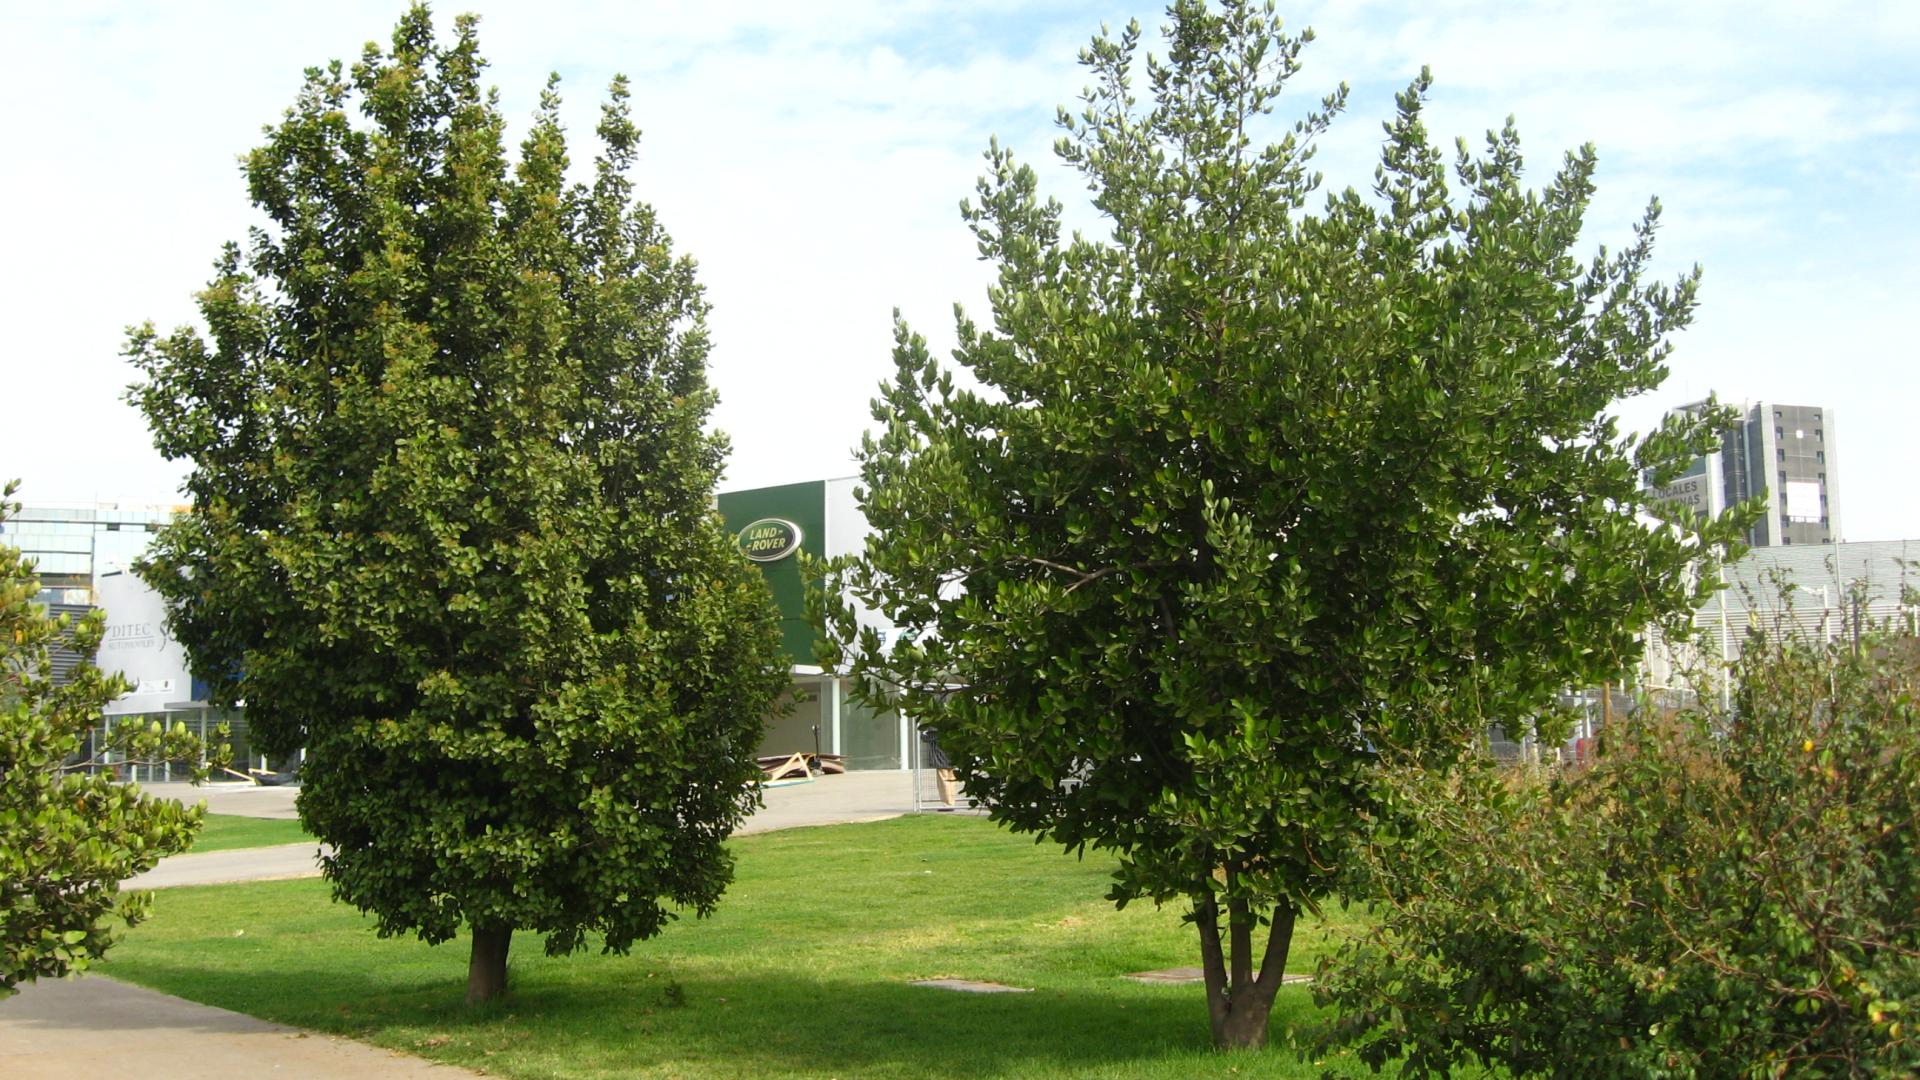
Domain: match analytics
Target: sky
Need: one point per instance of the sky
(812, 157)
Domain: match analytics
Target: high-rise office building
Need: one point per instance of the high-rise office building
(1784, 452)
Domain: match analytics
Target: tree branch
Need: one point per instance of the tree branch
(1085, 577)
(1206, 916)
(1273, 965)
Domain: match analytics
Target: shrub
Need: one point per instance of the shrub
(69, 834)
(1717, 895)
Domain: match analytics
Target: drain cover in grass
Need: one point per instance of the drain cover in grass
(1194, 975)
(969, 986)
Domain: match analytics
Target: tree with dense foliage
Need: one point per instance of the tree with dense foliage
(1718, 895)
(1250, 496)
(69, 835)
(453, 529)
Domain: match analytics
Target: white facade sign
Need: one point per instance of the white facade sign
(1803, 501)
(138, 646)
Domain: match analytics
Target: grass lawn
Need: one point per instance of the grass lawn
(223, 832)
(801, 972)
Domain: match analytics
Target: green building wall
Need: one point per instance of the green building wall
(806, 506)
(821, 717)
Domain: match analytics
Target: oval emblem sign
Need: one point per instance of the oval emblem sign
(770, 539)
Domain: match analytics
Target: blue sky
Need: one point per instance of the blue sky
(811, 156)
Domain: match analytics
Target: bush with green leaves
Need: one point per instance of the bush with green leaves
(1716, 895)
(69, 833)
(453, 526)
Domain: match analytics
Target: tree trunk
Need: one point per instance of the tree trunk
(487, 966)
(1239, 1001)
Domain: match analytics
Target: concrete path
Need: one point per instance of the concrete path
(62, 1028)
(827, 800)
(65, 1028)
(238, 799)
(833, 800)
(238, 864)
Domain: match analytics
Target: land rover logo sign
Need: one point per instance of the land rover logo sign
(770, 539)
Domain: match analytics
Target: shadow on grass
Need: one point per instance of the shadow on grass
(802, 972)
(724, 1025)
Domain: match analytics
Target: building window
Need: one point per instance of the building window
(1821, 457)
(1820, 433)
(1779, 433)
(1782, 454)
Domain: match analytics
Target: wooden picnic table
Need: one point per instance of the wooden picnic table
(802, 764)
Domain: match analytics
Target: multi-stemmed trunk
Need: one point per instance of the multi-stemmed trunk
(487, 965)
(1239, 999)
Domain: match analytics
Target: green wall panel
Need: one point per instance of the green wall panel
(806, 506)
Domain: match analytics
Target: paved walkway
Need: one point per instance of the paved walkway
(239, 864)
(825, 800)
(59, 1029)
(828, 800)
(238, 798)
(62, 1028)
(833, 800)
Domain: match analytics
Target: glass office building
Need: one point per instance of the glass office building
(73, 543)
(83, 553)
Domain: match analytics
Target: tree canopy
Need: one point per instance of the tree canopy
(1242, 496)
(69, 837)
(453, 528)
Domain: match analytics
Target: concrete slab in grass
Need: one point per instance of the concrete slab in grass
(971, 986)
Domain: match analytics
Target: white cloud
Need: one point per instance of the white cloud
(811, 156)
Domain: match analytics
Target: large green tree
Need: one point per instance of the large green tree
(453, 529)
(69, 832)
(1250, 495)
